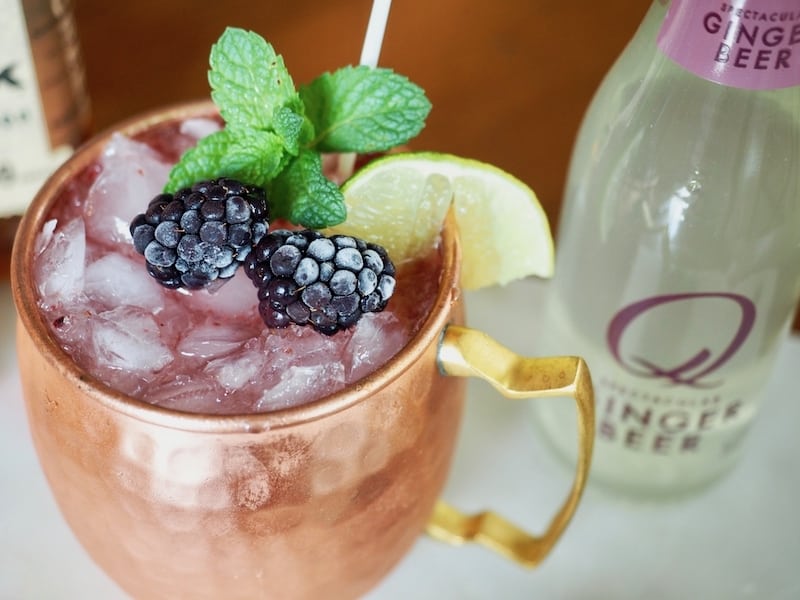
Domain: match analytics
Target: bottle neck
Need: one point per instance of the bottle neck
(750, 44)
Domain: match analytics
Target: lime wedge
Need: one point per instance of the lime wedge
(400, 202)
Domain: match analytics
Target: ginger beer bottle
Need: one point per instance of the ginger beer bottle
(679, 248)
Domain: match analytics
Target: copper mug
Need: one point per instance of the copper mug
(318, 501)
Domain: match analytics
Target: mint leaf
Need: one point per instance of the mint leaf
(293, 128)
(255, 157)
(364, 109)
(304, 196)
(248, 79)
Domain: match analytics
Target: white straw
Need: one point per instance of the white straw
(370, 52)
(373, 39)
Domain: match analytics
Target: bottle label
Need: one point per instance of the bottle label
(26, 155)
(697, 370)
(674, 405)
(752, 44)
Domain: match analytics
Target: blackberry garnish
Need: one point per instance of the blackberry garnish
(306, 278)
(201, 233)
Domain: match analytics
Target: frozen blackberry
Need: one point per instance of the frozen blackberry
(201, 233)
(306, 278)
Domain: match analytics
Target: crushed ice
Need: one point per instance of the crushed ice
(203, 351)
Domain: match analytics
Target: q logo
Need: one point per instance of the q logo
(691, 371)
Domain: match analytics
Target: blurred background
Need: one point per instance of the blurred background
(509, 79)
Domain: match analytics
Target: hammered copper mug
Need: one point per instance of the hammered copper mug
(318, 501)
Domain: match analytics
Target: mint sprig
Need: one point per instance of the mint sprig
(273, 134)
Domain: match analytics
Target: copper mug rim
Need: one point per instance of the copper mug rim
(31, 318)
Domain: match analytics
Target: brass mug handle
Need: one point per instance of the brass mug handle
(467, 352)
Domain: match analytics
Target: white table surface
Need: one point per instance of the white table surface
(737, 540)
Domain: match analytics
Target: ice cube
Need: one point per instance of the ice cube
(212, 340)
(302, 384)
(302, 346)
(114, 279)
(60, 267)
(233, 298)
(376, 338)
(337, 167)
(132, 174)
(234, 372)
(184, 392)
(70, 326)
(45, 236)
(198, 128)
(127, 338)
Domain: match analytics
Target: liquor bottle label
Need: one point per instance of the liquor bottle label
(26, 155)
(752, 44)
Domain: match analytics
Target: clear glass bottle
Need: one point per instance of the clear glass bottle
(678, 254)
(44, 108)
